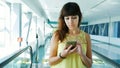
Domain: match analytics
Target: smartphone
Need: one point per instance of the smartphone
(73, 43)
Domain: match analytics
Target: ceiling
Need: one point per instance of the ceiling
(91, 9)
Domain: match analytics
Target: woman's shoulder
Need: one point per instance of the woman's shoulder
(85, 33)
(55, 35)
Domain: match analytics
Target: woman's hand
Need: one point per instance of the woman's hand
(68, 51)
(79, 48)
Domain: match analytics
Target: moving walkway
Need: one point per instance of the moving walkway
(25, 58)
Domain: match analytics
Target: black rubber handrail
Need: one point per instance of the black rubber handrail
(16, 54)
(106, 59)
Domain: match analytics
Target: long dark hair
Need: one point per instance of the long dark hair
(70, 8)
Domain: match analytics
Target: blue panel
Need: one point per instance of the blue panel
(115, 29)
(106, 29)
(118, 30)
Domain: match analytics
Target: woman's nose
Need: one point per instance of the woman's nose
(70, 20)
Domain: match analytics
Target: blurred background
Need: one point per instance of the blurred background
(26, 27)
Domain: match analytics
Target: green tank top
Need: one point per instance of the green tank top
(72, 60)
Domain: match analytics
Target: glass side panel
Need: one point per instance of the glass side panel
(22, 61)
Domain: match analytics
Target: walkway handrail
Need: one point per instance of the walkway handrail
(16, 54)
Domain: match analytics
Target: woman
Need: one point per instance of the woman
(63, 56)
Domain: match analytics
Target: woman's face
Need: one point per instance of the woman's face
(72, 22)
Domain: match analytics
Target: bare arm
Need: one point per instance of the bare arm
(53, 58)
(87, 59)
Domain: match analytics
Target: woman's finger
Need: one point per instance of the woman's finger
(73, 50)
(69, 47)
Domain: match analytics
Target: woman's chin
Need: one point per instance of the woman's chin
(71, 28)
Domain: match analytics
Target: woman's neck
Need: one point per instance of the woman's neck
(74, 32)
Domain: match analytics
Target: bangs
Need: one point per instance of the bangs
(70, 12)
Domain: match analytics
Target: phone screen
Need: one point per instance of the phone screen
(73, 43)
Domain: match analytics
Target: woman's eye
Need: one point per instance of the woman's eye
(74, 17)
(67, 18)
